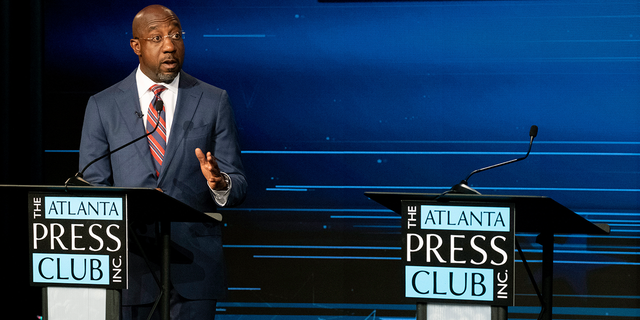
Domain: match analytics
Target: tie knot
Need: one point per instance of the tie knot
(157, 89)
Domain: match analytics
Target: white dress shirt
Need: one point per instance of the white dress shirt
(170, 98)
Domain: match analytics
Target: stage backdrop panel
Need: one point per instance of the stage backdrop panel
(335, 99)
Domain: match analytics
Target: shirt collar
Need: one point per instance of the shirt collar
(144, 83)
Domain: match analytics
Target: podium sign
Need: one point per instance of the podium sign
(78, 240)
(459, 251)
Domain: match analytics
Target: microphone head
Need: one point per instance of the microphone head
(463, 188)
(533, 132)
(159, 105)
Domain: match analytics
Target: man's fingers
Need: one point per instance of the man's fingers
(200, 156)
(208, 162)
(214, 164)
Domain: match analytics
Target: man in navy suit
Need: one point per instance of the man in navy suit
(201, 165)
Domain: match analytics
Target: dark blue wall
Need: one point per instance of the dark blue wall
(335, 99)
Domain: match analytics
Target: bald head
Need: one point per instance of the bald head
(160, 54)
(149, 15)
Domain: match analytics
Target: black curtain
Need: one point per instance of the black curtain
(21, 62)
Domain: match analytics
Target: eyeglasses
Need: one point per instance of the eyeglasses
(178, 36)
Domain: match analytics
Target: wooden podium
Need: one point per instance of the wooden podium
(534, 214)
(87, 209)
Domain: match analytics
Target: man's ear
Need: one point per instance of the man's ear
(135, 45)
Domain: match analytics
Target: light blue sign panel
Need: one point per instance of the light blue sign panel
(471, 284)
(465, 218)
(83, 208)
(71, 269)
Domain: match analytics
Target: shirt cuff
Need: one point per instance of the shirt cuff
(221, 196)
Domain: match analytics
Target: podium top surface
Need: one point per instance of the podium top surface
(143, 204)
(533, 213)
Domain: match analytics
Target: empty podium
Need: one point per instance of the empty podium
(458, 249)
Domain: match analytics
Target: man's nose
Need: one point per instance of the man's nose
(168, 45)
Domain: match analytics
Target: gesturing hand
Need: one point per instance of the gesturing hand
(210, 170)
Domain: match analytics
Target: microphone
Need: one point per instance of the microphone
(462, 187)
(78, 180)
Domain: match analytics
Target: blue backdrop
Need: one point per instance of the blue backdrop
(335, 99)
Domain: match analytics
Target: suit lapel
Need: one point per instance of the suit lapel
(187, 103)
(128, 104)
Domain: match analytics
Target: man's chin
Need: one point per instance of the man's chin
(167, 77)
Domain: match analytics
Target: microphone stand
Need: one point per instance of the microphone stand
(78, 180)
(464, 188)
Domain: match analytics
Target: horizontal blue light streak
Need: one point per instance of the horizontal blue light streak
(633, 214)
(324, 257)
(286, 189)
(395, 142)
(447, 188)
(228, 304)
(392, 214)
(625, 312)
(62, 151)
(608, 312)
(598, 296)
(308, 247)
(379, 227)
(583, 252)
(620, 263)
(234, 35)
(397, 217)
(319, 152)
(399, 258)
(316, 210)
(581, 236)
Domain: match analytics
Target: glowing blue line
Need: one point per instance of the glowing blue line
(314, 210)
(581, 236)
(633, 214)
(324, 257)
(366, 217)
(587, 262)
(234, 35)
(292, 152)
(308, 247)
(286, 189)
(394, 216)
(446, 188)
(323, 306)
(584, 251)
(611, 312)
(582, 296)
(61, 151)
(395, 142)
(411, 153)
(614, 222)
(380, 227)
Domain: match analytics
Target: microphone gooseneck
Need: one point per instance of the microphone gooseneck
(78, 180)
(464, 188)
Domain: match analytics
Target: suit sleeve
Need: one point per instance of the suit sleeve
(227, 151)
(93, 144)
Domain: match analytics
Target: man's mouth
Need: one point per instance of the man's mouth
(170, 64)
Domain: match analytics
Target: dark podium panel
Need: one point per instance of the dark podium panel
(535, 214)
(144, 205)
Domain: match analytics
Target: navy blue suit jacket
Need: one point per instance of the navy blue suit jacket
(203, 119)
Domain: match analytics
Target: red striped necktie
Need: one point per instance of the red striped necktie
(158, 139)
